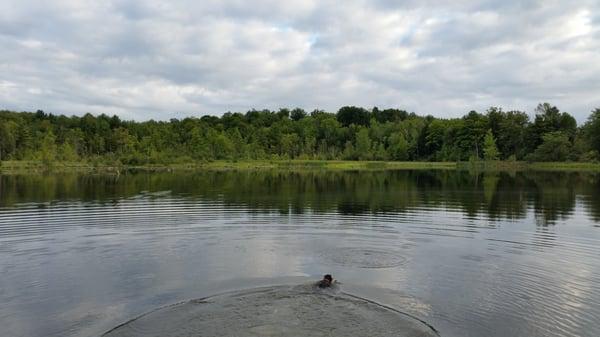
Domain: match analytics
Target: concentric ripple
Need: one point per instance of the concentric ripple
(364, 257)
(276, 311)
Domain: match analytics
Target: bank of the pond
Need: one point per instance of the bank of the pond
(40, 167)
(524, 166)
(24, 167)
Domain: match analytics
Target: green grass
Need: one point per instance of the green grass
(523, 166)
(359, 165)
(16, 167)
(319, 165)
(31, 166)
(567, 166)
(39, 167)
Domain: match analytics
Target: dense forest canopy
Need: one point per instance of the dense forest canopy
(353, 133)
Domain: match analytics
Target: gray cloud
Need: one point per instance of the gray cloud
(162, 60)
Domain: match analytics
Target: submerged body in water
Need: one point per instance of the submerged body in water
(326, 282)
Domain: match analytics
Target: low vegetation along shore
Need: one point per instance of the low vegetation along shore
(25, 167)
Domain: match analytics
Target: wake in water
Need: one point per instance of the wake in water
(304, 310)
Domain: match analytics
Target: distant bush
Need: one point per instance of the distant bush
(590, 157)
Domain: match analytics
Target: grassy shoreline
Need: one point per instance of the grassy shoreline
(25, 167)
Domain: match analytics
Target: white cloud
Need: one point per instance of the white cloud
(171, 59)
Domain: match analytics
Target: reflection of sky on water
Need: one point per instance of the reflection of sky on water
(75, 268)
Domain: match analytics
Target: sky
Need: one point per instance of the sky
(173, 59)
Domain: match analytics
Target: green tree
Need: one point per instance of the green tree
(363, 145)
(490, 151)
(123, 142)
(548, 119)
(349, 153)
(297, 114)
(8, 139)
(290, 145)
(67, 153)
(555, 147)
(470, 136)
(348, 115)
(25, 142)
(398, 147)
(511, 133)
(434, 137)
(389, 115)
(591, 130)
(328, 130)
(96, 145)
(48, 149)
(351, 133)
(239, 145)
(380, 152)
(220, 146)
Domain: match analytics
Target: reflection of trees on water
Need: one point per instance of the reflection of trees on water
(505, 195)
(592, 197)
(553, 195)
(496, 195)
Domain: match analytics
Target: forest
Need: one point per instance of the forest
(352, 133)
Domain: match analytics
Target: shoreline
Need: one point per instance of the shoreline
(38, 167)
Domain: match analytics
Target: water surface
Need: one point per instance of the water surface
(473, 254)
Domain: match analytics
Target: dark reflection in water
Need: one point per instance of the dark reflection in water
(474, 254)
(499, 195)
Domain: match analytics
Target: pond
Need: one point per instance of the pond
(469, 253)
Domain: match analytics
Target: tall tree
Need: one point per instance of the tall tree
(548, 118)
(8, 139)
(592, 129)
(48, 149)
(511, 133)
(363, 144)
(348, 115)
(398, 148)
(555, 147)
(297, 114)
(490, 151)
(475, 128)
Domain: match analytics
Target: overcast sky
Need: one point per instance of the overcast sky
(166, 59)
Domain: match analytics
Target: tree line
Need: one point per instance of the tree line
(352, 133)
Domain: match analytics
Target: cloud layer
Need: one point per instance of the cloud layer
(168, 59)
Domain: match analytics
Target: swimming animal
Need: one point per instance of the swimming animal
(326, 282)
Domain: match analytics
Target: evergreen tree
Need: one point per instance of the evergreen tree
(490, 150)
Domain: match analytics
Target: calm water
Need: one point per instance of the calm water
(472, 254)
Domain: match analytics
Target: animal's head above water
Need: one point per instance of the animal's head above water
(326, 282)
